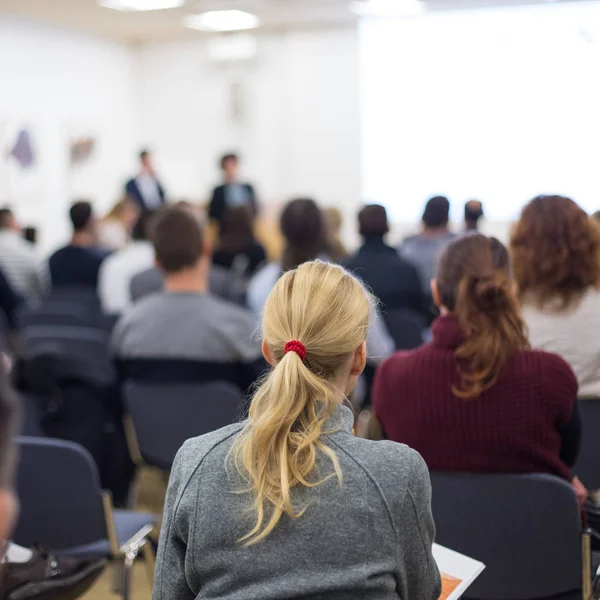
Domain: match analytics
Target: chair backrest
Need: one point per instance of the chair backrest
(166, 415)
(31, 416)
(526, 529)
(406, 328)
(588, 462)
(145, 283)
(60, 495)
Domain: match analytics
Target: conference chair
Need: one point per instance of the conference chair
(406, 328)
(64, 509)
(587, 467)
(161, 417)
(527, 530)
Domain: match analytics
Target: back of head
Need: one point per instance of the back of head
(555, 250)
(178, 239)
(7, 218)
(372, 221)
(81, 215)
(437, 212)
(303, 228)
(474, 283)
(237, 230)
(327, 310)
(473, 212)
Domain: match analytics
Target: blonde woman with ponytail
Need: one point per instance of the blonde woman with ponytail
(289, 504)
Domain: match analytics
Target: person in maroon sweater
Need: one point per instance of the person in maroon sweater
(476, 398)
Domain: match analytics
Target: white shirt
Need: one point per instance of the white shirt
(148, 187)
(26, 273)
(116, 274)
(572, 334)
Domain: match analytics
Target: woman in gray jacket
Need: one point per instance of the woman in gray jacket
(290, 505)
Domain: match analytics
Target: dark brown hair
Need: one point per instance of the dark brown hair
(555, 250)
(303, 226)
(372, 221)
(237, 232)
(177, 238)
(474, 283)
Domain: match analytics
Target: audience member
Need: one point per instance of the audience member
(183, 333)
(333, 224)
(423, 249)
(302, 225)
(10, 301)
(473, 214)
(118, 270)
(114, 231)
(145, 189)
(394, 281)
(78, 263)
(296, 526)
(238, 249)
(476, 398)
(556, 259)
(26, 273)
(232, 192)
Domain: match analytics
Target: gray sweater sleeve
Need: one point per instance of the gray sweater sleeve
(170, 579)
(418, 575)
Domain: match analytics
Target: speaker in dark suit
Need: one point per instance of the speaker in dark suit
(145, 189)
(232, 193)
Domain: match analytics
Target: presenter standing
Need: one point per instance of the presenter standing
(232, 193)
(145, 189)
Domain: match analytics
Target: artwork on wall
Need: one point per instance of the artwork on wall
(84, 164)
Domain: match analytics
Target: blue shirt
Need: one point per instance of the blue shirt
(76, 266)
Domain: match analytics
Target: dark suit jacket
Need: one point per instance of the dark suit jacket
(218, 203)
(393, 280)
(133, 191)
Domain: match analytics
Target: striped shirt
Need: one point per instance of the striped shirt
(26, 273)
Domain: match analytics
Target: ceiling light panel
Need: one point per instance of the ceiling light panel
(222, 20)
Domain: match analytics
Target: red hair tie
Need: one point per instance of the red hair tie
(298, 347)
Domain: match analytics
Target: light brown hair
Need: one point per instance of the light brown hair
(555, 250)
(475, 284)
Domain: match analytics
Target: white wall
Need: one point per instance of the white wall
(300, 129)
(56, 81)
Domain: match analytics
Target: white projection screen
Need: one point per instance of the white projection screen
(498, 104)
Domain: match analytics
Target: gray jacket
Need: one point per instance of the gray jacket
(369, 538)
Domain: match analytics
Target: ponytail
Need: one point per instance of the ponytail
(327, 310)
(475, 283)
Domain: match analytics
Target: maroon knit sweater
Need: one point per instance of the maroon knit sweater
(513, 427)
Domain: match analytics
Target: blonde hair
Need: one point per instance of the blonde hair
(325, 308)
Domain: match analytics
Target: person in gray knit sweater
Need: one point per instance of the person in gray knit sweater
(289, 504)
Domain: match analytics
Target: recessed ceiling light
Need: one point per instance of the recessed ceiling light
(387, 8)
(141, 5)
(222, 20)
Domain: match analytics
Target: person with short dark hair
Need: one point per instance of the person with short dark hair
(473, 215)
(78, 264)
(183, 333)
(237, 249)
(477, 398)
(232, 192)
(145, 189)
(394, 281)
(27, 275)
(423, 249)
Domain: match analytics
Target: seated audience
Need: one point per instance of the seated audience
(10, 302)
(114, 231)
(333, 224)
(556, 260)
(26, 273)
(476, 398)
(238, 249)
(473, 215)
(232, 192)
(303, 227)
(424, 249)
(184, 333)
(275, 507)
(394, 281)
(118, 270)
(78, 264)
